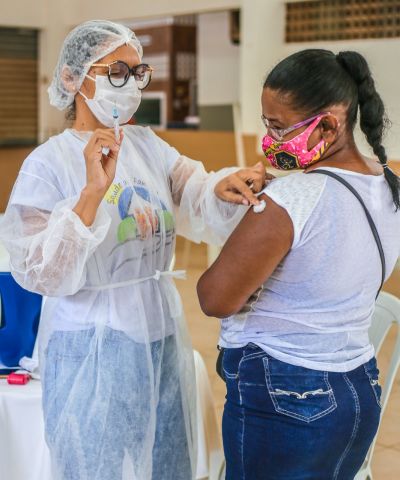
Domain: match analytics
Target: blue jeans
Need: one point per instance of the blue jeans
(283, 422)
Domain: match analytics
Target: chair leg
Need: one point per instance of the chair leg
(364, 474)
(212, 254)
(186, 253)
(222, 471)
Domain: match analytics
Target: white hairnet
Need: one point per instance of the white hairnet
(83, 46)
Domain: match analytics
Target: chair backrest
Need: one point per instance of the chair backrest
(19, 321)
(172, 264)
(387, 314)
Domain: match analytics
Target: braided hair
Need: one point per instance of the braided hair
(317, 78)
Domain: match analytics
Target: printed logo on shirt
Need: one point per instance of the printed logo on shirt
(140, 219)
(113, 193)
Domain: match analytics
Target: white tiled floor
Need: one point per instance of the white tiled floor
(204, 333)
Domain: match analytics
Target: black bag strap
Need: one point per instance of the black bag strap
(368, 215)
(218, 367)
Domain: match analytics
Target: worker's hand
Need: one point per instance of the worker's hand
(100, 168)
(241, 187)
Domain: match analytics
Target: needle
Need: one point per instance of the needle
(116, 124)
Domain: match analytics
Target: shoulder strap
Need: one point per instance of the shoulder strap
(368, 215)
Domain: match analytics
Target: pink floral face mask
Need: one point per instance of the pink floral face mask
(294, 153)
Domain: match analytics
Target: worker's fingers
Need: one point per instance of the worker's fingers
(232, 197)
(238, 185)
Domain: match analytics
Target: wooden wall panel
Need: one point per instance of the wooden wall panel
(18, 87)
(10, 163)
(215, 149)
(310, 21)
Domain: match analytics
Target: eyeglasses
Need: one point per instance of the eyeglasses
(279, 133)
(119, 73)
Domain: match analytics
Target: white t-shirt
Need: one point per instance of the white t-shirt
(316, 308)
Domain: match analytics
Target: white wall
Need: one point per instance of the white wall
(263, 45)
(34, 13)
(151, 8)
(218, 61)
(383, 57)
(23, 13)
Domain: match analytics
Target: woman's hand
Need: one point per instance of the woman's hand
(100, 172)
(100, 168)
(241, 187)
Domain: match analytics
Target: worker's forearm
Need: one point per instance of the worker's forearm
(87, 206)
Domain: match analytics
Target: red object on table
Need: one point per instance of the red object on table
(18, 378)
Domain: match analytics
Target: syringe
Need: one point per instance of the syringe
(116, 123)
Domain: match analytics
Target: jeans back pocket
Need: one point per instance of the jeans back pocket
(372, 373)
(298, 392)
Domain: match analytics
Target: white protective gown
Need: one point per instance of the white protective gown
(116, 360)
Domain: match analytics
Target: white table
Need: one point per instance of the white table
(23, 451)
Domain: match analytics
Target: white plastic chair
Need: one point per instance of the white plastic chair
(387, 314)
(210, 455)
(172, 264)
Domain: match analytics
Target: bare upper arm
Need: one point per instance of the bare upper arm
(247, 260)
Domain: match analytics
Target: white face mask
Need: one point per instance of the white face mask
(126, 99)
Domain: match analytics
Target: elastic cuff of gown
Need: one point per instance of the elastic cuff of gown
(97, 231)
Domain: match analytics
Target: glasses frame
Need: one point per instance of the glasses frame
(131, 71)
(279, 133)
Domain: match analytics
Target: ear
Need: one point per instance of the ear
(329, 128)
(68, 79)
